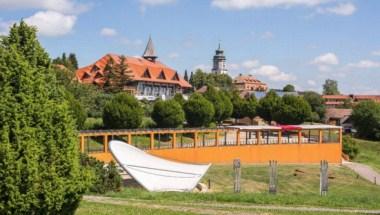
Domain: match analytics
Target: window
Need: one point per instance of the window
(161, 75)
(146, 74)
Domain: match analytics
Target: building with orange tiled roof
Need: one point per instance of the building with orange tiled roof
(248, 83)
(341, 100)
(150, 79)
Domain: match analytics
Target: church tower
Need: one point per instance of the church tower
(149, 53)
(219, 62)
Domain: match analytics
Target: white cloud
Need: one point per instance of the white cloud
(108, 32)
(4, 27)
(376, 53)
(311, 83)
(52, 23)
(251, 4)
(156, 2)
(273, 73)
(267, 35)
(343, 9)
(326, 59)
(365, 64)
(173, 55)
(62, 6)
(250, 64)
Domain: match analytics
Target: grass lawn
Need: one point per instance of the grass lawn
(298, 185)
(369, 153)
(167, 209)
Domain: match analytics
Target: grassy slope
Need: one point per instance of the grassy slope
(369, 153)
(346, 190)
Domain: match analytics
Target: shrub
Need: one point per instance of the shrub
(292, 110)
(198, 110)
(104, 177)
(168, 114)
(366, 119)
(350, 147)
(147, 122)
(93, 123)
(123, 111)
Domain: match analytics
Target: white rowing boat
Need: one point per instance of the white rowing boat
(154, 173)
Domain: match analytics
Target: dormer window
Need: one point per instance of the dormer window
(146, 74)
(161, 75)
(86, 75)
(175, 77)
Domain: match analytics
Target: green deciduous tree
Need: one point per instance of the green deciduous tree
(199, 111)
(250, 107)
(316, 103)
(123, 111)
(201, 78)
(268, 105)
(330, 87)
(292, 110)
(221, 102)
(168, 114)
(289, 88)
(40, 171)
(238, 106)
(179, 98)
(366, 119)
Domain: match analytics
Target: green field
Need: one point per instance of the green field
(298, 186)
(369, 153)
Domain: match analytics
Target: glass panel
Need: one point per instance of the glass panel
(185, 140)
(310, 136)
(289, 137)
(330, 136)
(248, 138)
(141, 141)
(163, 141)
(93, 144)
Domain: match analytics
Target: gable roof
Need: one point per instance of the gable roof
(137, 66)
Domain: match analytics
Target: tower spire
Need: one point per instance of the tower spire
(149, 52)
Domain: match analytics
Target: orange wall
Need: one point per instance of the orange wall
(283, 153)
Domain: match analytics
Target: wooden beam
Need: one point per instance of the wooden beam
(299, 137)
(195, 139)
(258, 137)
(279, 137)
(82, 144)
(174, 139)
(151, 138)
(238, 138)
(217, 138)
(130, 138)
(320, 136)
(105, 143)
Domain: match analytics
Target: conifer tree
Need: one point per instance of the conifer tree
(73, 61)
(39, 157)
(117, 75)
(186, 77)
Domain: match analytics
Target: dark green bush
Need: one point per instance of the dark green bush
(123, 111)
(350, 147)
(105, 177)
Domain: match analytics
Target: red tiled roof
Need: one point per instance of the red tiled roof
(336, 96)
(136, 65)
(337, 113)
(246, 79)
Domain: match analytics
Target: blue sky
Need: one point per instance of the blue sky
(301, 42)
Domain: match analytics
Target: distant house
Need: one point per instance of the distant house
(339, 117)
(150, 79)
(334, 101)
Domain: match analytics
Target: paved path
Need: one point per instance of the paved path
(364, 171)
(219, 208)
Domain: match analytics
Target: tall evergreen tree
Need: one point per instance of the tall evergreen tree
(117, 75)
(73, 61)
(186, 77)
(39, 157)
(330, 87)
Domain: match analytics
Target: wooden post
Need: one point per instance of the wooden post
(238, 138)
(130, 139)
(272, 176)
(237, 174)
(174, 139)
(105, 143)
(340, 136)
(258, 137)
(217, 138)
(151, 135)
(299, 136)
(279, 140)
(323, 182)
(82, 144)
(320, 136)
(195, 139)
